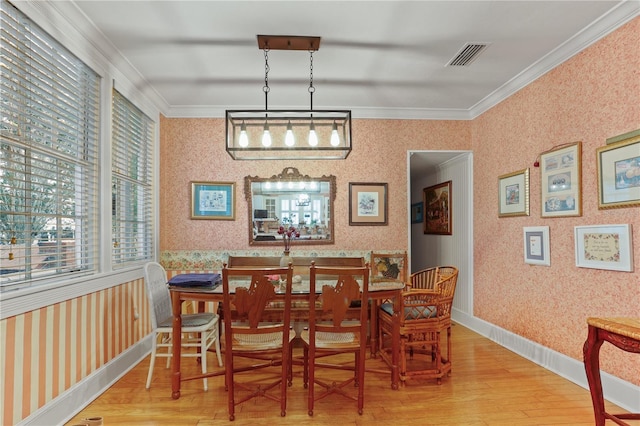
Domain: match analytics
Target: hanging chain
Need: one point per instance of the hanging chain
(265, 88)
(311, 88)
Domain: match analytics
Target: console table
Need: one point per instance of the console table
(623, 333)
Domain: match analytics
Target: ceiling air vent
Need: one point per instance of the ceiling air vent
(467, 54)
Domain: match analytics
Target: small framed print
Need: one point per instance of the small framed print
(417, 213)
(213, 200)
(619, 173)
(513, 194)
(536, 245)
(561, 181)
(604, 247)
(368, 204)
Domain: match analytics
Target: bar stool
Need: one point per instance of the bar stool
(623, 333)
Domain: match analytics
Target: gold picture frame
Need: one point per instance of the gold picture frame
(213, 200)
(561, 181)
(619, 174)
(513, 194)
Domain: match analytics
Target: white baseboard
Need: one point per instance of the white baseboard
(68, 404)
(64, 407)
(620, 392)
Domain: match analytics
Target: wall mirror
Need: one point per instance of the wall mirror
(290, 198)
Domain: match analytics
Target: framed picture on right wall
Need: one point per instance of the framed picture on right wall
(604, 247)
(561, 181)
(619, 174)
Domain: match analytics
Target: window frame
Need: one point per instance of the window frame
(50, 152)
(95, 51)
(131, 128)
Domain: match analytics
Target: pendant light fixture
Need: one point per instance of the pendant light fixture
(288, 134)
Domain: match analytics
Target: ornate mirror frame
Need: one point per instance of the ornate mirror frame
(290, 197)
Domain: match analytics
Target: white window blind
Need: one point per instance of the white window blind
(48, 156)
(132, 171)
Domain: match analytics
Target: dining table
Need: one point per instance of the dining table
(380, 290)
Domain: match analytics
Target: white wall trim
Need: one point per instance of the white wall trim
(68, 404)
(64, 407)
(620, 392)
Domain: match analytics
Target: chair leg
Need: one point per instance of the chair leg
(360, 368)
(203, 357)
(169, 349)
(217, 345)
(152, 363)
(229, 385)
(305, 371)
(290, 372)
(284, 378)
(310, 363)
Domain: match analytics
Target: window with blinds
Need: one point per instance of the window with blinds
(49, 109)
(132, 174)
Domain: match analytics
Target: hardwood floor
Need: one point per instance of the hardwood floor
(489, 385)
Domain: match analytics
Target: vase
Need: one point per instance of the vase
(285, 259)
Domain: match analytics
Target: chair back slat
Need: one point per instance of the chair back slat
(424, 279)
(244, 309)
(157, 293)
(251, 302)
(338, 297)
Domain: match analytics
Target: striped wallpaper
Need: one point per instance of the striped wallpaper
(47, 351)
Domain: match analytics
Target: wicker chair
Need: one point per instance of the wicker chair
(424, 314)
(335, 333)
(249, 334)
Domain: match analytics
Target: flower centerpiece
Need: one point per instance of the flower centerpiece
(288, 233)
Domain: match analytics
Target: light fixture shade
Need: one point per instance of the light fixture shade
(278, 121)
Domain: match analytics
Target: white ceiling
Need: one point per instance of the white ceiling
(381, 59)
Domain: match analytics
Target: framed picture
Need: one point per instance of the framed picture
(213, 200)
(513, 194)
(417, 214)
(604, 247)
(438, 211)
(368, 204)
(536, 245)
(619, 174)
(561, 181)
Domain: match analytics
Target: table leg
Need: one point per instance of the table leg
(395, 351)
(176, 303)
(373, 327)
(591, 351)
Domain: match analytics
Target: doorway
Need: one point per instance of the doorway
(427, 168)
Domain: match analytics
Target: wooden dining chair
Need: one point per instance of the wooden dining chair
(250, 335)
(200, 330)
(333, 332)
(414, 324)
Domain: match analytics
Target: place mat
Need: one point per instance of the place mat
(195, 280)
